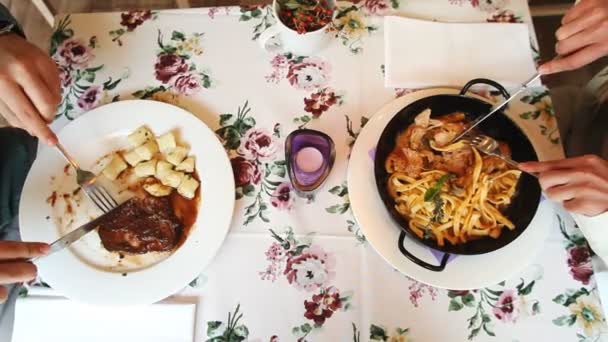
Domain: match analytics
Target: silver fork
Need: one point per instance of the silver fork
(488, 145)
(86, 179)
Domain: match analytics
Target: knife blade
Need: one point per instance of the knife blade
(73, 236)
(480, 119)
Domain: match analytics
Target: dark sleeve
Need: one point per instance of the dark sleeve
(6, 17)
(17, 153)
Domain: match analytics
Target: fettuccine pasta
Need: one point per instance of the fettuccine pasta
(449, 193)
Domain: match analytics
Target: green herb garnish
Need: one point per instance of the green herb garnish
(433, 191)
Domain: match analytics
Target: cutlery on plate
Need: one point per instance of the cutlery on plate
(86, 179)
(497, 108)
(488, 145)
(73, 236)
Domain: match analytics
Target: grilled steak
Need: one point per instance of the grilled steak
(141, 225)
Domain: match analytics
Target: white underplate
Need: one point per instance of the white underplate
(463, 272)
(86, 271)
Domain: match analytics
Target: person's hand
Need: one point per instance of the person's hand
(29, 87)
(580, 184)
(582, 38)
(14, 267)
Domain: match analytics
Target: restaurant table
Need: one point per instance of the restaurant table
(297, 269)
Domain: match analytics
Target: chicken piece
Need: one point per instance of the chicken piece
(453, 117)
(442, 137)
(416, 137)
(404, 160)
(456, 162)
(492, 164)
(505, 150)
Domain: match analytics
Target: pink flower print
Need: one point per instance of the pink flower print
(323, 305)
(309, 74)
(187, 84)
(169, 65)
(375, 6)
(90, 98)
(579, 260)
(311, 269)
(282, 198)
(507, 308)
(275, 252)
(258, 144)
(73, 52)
(132, 19)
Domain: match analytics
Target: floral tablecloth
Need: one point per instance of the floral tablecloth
(293, 269)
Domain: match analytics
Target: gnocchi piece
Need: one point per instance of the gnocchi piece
(166, 142)
(157, 190)
(132, 157)
(162, 167)
(115, 167)
(140, 136)
(188, 186)
(187, 165)
(177, 155)
(172, 178)
(147, 150)
(146, 169)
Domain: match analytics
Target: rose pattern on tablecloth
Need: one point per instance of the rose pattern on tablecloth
(73, 56)
(260, 15)
(579, 253)
(304, 73)
(230, 331)
(504, 16)
(129, 21)
(483, 5)
(175, 67)
(543, 111)
(500, 303)
(258, 173)
(212, 11)
(350, 26)
(306, 267)
(380, 7)
(318, 103)
(574, 261)
(418, 290)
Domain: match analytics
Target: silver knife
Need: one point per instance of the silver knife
(497, 108)
(73, 236)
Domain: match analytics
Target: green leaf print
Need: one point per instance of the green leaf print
(565, 320)
(468, 299)
(377, 333)
(455, 305)
(176, 35)
(224, 118)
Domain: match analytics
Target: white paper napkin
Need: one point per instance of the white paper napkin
(58, 319)
(422, 53)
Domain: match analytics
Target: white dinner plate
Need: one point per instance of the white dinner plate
(463, 272)
(86, 271)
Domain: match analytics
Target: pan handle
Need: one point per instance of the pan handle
(434, 268)
(494, 84)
